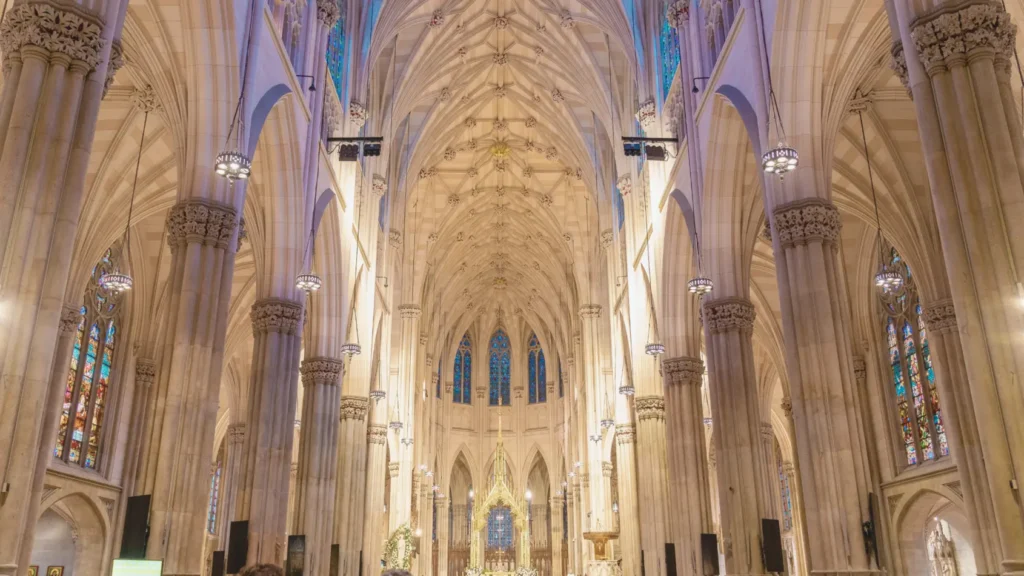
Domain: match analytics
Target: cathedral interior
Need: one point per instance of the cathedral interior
(512, 287)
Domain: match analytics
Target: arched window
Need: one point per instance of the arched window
(211, 513)
(669, 44)
(538, 372)
(463, 384)
(336, 54)
(92, 356)
(785, 491)
(501, 367)
(500, 530)
(913, 379)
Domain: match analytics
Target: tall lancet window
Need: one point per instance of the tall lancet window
(336, 54)
(538, 372)
(463, 375)
(669, 45)
(92, 356)
(908, 357)
(211, 512)
(501, 369)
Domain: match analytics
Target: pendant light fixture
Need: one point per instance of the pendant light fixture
(377, 393)
(233, 164)
(782, 159)
(309, 281)
(888, 279)
(701, 285)
(116, 281)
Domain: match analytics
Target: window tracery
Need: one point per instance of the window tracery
(86, 393)
(463, 374)
(919, 413)
(500, 369)
(537, 371)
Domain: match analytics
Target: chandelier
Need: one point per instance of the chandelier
(406, 441)
(115, 281)
(395, 425)
(233, 164)
(627, 390)
(595, 438)
(377, 395)
(782, 159)
(308, 282)
(351, 349)
(887, 279)
(654, 349)
(700, 286)
(607, 423)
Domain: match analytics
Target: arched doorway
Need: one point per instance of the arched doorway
(72, 537)
(933, 538)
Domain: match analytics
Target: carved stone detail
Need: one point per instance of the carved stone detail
(940, 316)
(947, 36)
(590, 311)
(380, 185)
(236, 433)
(321, 371)
(646, 114)
(729, 314)
(625, 433)
(683, 370)
(276, 315)
(650, 408)
(805, 221)
(115, 64)
(409, 311)
(625, 185)
(607, 469)
(145, 372)
(393, 468)
(354, 408)
(328, 12)
(357, 114)
(898, 63)
(69, 30)
(377, 434)
(394, 238)
(198, 221)
(860, 369)
(679, 13)
(70, 316)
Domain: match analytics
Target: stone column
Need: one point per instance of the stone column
(229, 481)
(557, 530)
(400, 507)
(770, 486)
(591, 451)
(828, 424)
(267, 460)
(653, 483)
(689, 491)
(376, 468)
(182, 408)
(318, 460)
(442, 536)
(630, 527)
(729, 325)
(350, 496)
(56, 60)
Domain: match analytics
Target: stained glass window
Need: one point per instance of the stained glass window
(500, 369)
(538, 372)
(463, 374)
(80, 428)
(336, 54)
(211, 514)
(786, 494)
(669, 44)
(908, 356)
(500, 530)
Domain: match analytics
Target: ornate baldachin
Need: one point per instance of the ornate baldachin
(145, 372)
(377, 434)
(729, 314)
(650, 408)
(321, 371)
(198, 221)
(940, 316)
(70, 316)
(276, 315)
(69, 30)
(805, 221)
(949, 36)
(354, 407)
(683, 370)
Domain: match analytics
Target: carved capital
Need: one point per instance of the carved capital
(898, 63)
(70, 316)
(354, 408)
(115, 64)
(377, 434)
(607, 469)
(320, 371)
(236, 433)
(650, 408)
(276, 315)
(393, 468)
(683, 370)
(806, 221)
(409, 311)
(380, 185)
(328, 12)
(625, 433)
(767, 432)
(860, 369)
(198, 221)
(954, 34)
(787, 406)
(940, 316)
(145, 372)
(144, 98)
(65, 29)
(590, 311)
(728, 314)
(646, 114)
(357, 114)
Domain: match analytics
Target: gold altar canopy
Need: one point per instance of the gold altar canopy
(500, 494)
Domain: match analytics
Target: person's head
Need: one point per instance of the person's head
(396, 572)
(262, 570)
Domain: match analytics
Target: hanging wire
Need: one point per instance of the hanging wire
(773, 103)
(135, 185)
(871, 181)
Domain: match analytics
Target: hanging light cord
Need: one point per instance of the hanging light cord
(773, 103)
(135, 186)
(871, 180)
(236, 117)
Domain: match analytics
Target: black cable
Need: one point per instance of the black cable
(135, 186)
(871, 180)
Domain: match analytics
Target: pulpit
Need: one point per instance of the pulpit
(602, 564)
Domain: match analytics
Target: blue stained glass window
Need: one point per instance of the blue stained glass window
(211, 514)
(500, 530)
(620, 209)
(543, 392)
(500, 370)
(786, 492)
(669, 44)
(462, 385)
(336, 54)
(538, 373)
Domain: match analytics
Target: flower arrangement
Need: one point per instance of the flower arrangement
(397, 555)
(526, 571)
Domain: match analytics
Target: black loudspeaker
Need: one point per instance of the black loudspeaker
(295, 561)
(218, 564)
(360, 563)
(238, 546)
(670, 558)
(335, 559)
(136, 528)
(709, 554)
(771, 546)
(643, 566)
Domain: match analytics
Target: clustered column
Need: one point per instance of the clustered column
(350, 498)
(235, 445)
(629, 513)
(653, 483)
(376, 468)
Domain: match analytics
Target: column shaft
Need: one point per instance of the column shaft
(350, 495)
(630, 527)
(376, 514)
(653, 483)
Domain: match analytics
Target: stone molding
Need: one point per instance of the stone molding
(860, 369)
(646, 114)
(393, 469)
(236, 433)
(898, 63)
(806, 221)
(276, 315)
(625, 433)
(144, 98)
(354, 408)
(940, 316)
(145, 372)
(67, 29)
(243, 234)
(683, 370)
(409, 311)
(70, 316)
(767, 432)
(199, 221)
(729, 314)
(377, 434)
(321, 371)
(953, 34)
(650, 408)
(607, 469)
(590, 311)
(114, 65)
(327, 12)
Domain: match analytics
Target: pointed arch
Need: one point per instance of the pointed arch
(500, 369)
